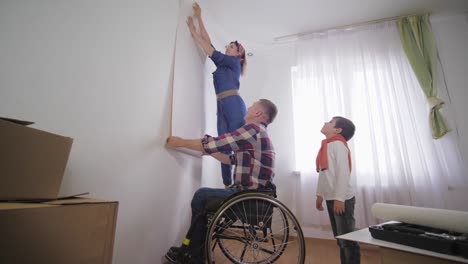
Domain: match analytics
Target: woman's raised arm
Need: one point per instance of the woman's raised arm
(203, 32)
(206, 45)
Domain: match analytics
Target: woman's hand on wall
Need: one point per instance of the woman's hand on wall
(196, 10)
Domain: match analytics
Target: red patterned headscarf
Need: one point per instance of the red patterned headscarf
(240, 49)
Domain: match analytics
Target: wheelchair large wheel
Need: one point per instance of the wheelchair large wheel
(254, 228)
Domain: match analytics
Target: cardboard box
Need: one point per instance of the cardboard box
(32, 161)
(63, 231)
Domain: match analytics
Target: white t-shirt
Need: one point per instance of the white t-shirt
(335, 182)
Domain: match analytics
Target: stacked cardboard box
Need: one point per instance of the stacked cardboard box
(36, 226)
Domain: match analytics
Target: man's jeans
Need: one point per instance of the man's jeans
(199, 200)
(342, 224)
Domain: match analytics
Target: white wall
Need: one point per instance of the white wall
(451, 32)
(99, 72)
(268, 76)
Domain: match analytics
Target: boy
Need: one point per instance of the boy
(334, 184)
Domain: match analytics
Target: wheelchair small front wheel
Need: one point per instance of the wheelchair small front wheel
(254, 229)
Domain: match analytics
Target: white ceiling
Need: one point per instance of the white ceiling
(261, 21)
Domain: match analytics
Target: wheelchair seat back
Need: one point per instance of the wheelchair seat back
(214, 204)
(252, 211)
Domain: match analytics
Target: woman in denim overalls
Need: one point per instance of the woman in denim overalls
(229, 67)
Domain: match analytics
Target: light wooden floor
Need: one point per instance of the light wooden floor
(323, 251)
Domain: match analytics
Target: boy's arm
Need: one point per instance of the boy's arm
(319, 203)
(319, 194)
(338, 207)
(342, 175)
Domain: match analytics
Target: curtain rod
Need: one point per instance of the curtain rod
(293, 37)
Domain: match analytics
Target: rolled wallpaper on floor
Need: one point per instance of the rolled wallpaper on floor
(437, 218)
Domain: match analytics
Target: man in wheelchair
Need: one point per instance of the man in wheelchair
(253, 159)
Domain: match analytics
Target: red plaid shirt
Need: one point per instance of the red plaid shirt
(253, 156)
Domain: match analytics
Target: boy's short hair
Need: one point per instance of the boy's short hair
(270, 109)
(346, 125)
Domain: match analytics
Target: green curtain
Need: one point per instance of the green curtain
(419, 45)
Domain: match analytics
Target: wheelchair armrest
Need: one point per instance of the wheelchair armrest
(269, 188)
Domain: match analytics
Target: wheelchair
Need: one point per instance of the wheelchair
(251, 227)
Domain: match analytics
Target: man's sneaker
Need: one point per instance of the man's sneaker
(172, 256)
(175, 249)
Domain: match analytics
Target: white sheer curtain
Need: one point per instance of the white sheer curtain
(363, 74)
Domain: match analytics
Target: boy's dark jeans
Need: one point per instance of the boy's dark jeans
(342, 224)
